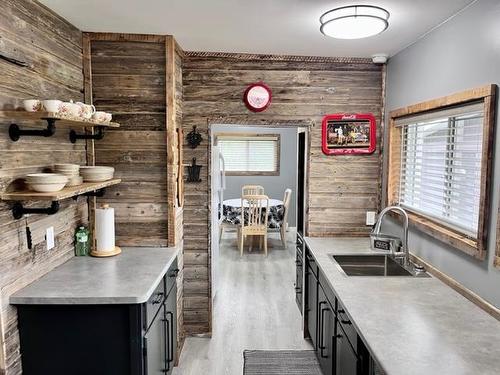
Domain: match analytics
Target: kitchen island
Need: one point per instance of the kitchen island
(408, 325)
(102, 315)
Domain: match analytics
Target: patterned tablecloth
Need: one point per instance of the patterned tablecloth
(231, 210)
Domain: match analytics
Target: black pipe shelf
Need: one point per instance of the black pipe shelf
(47, 122)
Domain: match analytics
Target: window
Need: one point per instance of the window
(439, 166)
(250, 154)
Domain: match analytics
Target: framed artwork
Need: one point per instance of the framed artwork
(348, 134)
(257, 97)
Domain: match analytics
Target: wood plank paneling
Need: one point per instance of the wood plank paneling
(139, 79)
(128, 79)
(341, 188)
(52, 51)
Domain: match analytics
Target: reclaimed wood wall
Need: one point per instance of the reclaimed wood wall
(51, 51)
(341, 188)
(138, 79)
(128, 79)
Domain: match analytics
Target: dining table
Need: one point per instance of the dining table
(231, 210)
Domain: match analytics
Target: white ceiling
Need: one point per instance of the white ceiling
(256, 26)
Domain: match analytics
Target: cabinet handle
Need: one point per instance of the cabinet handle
(174, 273)
(319, 315)
(171, 338)
(321, 346)
(343, 321)
(158, 299)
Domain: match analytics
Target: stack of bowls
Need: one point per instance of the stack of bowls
(72, 171)
(46, 182)
(97, 173)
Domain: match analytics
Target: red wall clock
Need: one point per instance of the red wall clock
(257, 97)
(344, 133)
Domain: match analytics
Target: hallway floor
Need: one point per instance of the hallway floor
(254, 309)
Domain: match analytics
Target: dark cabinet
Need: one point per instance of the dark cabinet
(125, 339)
(299, 271)
(311, 305)
(326, 333)
(338, 346)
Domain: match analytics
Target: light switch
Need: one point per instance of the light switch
(49, 237)
(370, 217)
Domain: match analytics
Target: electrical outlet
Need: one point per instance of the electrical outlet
(49, 237)
(370, 217)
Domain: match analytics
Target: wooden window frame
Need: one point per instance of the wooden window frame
(475, 247)
(256, 135)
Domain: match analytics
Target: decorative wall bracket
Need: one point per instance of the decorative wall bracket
(194, 138)
(99, 193)
(194, 172)
(74, 136)
(18, 210)
(15, 132)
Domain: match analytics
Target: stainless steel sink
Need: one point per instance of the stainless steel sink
(374, 265)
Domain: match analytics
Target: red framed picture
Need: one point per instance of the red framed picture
(348, 134)
(257, 97)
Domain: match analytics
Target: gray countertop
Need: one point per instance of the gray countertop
(411, 325)
(130, 277)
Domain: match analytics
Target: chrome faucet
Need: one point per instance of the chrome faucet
(380, 241)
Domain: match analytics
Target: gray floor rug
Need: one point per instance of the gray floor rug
(289, 362)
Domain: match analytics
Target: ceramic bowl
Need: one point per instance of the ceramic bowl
(75, 181)
(46, 188)
(70, 109)
(99, 116)
(32, 105)
(46, 178)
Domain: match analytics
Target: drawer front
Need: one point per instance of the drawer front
(155, 302)
(326, 288)
(311, 263)
(347, 326)
(171, 276)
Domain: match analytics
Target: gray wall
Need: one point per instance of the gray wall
(461, 54)
(274, 185)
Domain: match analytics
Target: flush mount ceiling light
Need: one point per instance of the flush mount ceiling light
(354, 21)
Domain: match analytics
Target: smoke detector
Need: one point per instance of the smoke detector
(380, 58)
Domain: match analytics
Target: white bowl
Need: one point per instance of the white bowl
(32, 105)
(97, 177)
(52, 105)
(46, 188)
(75, 181)
(46, 178)
(96, 168)
(66, 167)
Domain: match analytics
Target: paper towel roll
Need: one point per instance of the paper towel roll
(105, 229)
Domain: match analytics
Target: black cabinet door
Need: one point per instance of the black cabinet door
(155, 345)
(311, 307)
(171, 328)
(326, 333)
(346, 360)
(299, 285)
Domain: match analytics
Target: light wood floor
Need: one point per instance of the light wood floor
(254, 309)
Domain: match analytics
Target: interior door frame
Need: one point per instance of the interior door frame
(306, 124)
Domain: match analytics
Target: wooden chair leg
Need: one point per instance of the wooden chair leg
(242, 240)
(265, 244)
(283, 237)
(261, 238)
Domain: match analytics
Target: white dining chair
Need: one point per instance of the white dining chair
(252, 190)
(254, 211)
(284, 223)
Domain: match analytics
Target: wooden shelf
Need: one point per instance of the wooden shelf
(67, 192)
(60, 120)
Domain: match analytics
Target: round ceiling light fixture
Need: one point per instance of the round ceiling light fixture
(354, 21)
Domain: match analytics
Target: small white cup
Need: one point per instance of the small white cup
(32, 105)
(87, 110)
(52, 105)
(99, 116)
(70, 109)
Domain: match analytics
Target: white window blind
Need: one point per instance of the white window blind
(247, 154)
(441, 156)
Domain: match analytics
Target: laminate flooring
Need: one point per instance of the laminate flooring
(254, 309)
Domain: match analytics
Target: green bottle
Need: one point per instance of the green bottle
(82, 246)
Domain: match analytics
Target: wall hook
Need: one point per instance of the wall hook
(194, 138)
(194, 172)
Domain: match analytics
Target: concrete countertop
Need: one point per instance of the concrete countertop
(411, 325)
(128, 278)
